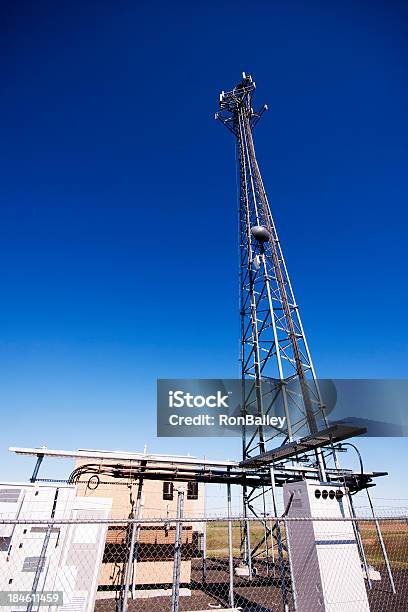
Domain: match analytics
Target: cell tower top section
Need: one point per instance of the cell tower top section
(239, 97)
(230, 100)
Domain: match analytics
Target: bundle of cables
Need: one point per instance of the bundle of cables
(95, 471)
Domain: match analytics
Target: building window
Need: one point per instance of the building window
(168, 490)
(192, 490)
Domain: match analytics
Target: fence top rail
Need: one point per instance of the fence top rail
(203, 519)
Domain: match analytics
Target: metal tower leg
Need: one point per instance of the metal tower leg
(359, 541)
(247, 536)
(279, 542)
(383, 549)
(292, 577)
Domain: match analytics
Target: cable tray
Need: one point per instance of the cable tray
(334, 433)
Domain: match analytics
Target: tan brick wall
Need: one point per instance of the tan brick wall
(149, 535)
(147, 572)
(157, 571)
(155, 506)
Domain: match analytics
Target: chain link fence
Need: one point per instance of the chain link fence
(145, 565)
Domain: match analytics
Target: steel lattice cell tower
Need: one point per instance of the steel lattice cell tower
(273, 342)
(277, 369)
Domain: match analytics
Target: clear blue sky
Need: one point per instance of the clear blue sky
(118, 229)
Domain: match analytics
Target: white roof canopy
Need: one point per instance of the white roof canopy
(119, 456)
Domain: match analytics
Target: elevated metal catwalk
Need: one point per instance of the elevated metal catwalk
(320, 439)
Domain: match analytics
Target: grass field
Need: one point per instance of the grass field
(395, 536)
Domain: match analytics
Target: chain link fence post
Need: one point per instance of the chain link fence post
(175, 593)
